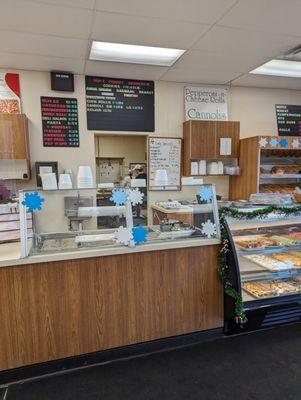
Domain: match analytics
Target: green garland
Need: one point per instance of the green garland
(224, 212)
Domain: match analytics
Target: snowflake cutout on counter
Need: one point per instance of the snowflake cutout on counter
(295, 144)
(123, 236)
(119, 197)
(33, 201)
(274, 142)
(263, 142)
(139, 234)
(208, 229)
(135, 196)
(205, 193)
(283, 143)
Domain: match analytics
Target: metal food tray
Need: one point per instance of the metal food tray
(269, 268)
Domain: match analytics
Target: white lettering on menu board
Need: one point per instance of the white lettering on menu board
(165, 153)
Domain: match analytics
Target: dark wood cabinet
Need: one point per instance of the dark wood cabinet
(202, 141)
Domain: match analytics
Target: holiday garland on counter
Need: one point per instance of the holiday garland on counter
(224, 212)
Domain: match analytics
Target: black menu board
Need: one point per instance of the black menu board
(60, 122)
(119, 104)
(288, 119)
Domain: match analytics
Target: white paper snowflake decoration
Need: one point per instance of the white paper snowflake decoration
(119, 197)
(263, 142)
(209, 229)
(274, 142)
(295, 144)
(123, 236)
(135, 196)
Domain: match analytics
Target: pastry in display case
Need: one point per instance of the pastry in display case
(264, 264)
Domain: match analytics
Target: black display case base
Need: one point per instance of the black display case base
(266, 317)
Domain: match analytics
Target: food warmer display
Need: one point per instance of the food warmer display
(66, 220)
(265, 267)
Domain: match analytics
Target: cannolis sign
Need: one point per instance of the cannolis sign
(209, 104)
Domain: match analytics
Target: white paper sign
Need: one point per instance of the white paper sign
(165, 153)
(225, 147)
(206, 103)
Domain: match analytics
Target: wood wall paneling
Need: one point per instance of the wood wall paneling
(242, 186)
(55, 310)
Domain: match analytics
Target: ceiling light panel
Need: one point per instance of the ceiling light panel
(128, 53)
(286, 68)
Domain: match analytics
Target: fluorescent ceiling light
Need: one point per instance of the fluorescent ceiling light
(128, 53)
(286, 68)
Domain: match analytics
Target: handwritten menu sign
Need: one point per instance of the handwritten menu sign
(288, 119)
(120, 104)
(165, 153)
(60, 122)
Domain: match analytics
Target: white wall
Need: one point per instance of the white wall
(253, 107)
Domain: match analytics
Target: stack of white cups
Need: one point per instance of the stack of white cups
(161, 177)
(84, 177)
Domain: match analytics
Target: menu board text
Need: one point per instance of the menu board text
(60, 122)
(119, 104)
(288, 119)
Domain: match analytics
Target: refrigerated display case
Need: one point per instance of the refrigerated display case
(66, 220)
(264, 266)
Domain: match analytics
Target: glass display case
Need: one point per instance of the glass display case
(265, 267)
(68, 220)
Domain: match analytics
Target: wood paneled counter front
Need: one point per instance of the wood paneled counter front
(64, 308)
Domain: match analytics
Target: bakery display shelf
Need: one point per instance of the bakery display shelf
(272, 295)
(251, 271)
(263, 223)
(280, 176)
(268, 250)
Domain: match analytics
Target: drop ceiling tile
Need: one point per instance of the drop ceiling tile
(123, 70)
(277, 16)
(119, 28)
(245, 42)
(206, 11)
(219, 61)
(89, 4)
(267, 82)
(27, 16)
(199, 76)
(40, 63)
(52, 46)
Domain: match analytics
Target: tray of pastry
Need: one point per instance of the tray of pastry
(293, 257)
(273, 287)
(270, 263)
(287, 240)
(254, 242)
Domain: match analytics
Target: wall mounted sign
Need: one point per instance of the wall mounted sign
(10, 93)
(164, 154)
(62, 81)
(120, 104)
(288, 119)
(206, 103)
(60, 122)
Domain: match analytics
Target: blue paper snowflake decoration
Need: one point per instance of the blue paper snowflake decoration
(205, 193)
(274, 142)
(33, 201)
(283, 143)
(139, 234)
(119, 197)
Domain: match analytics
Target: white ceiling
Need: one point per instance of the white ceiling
(224, 39)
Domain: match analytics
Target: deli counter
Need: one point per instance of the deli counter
(69, 277)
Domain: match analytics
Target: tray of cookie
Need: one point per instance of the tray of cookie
(286, 240)
(272, 288)
(289, 257)
(253, 242)
(270, 263)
